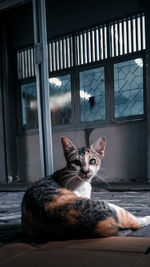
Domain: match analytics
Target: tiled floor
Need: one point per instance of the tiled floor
(10, 212)
(120, 251)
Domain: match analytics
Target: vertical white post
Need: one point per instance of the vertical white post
(42, 83)
(147, 85)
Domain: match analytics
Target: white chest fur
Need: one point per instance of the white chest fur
(84, 190)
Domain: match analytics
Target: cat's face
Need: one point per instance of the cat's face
(84, 161)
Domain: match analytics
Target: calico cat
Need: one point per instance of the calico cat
(59, 206)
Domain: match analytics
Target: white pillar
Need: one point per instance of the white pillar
(42, 83)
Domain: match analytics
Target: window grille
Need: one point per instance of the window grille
(114, 39)
(25, 63)
(91, 45)
(60, 53)
(127, 35)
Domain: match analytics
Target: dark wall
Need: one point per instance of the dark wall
(21, 26)
(67, 16)
(71, 16)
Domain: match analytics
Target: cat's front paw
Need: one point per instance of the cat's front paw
(144, 221)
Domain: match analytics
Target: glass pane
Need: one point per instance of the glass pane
(128, 88)
(60, 100)
(29, 106)
(92, 95)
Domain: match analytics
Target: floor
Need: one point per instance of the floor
(127, 249)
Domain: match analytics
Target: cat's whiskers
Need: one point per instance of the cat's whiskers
(80, 178)
(67, 175)
(98, 176)
(69, 181)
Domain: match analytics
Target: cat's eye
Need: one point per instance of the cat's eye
(92, 161)
(77, 162)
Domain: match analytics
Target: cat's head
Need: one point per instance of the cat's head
(85, 161)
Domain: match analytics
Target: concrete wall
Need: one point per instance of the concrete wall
(29, 166)
(126, 151)
(125, 155)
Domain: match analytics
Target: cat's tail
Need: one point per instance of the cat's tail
(127, 220)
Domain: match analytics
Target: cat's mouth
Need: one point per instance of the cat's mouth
(85, 175)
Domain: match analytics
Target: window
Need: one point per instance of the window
(29, 106)
(83, 65)
(98, 43)
(60, 100)
(128, 88)
(92, 95)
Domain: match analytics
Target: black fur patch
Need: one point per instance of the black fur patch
(87, 212)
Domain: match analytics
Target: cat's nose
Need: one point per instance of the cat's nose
(84, 171)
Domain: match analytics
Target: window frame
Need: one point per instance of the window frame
(75, 96)
(97, 123)
(131, 118)
(58, 74)
(21, 131)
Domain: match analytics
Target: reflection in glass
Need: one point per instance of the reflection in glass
(92, 95)
(128, 88)
(29, 106)
(60, 100)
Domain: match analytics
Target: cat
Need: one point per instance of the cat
(59, 206)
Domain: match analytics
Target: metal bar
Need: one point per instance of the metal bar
(19, 65)
(114, 31)
(59, 54)
(143, 24)
(56, 59)
(22, 61)
(32, 63)
(29, 62)
(68, 52)
(26, 63)
(91, 42)
(95, 42)
(74, 50)
(63, 54)
(52, 54)
(104, 54)
(127, 35)
(123, 37)
(100, 45)
(141, 29)
(106, 44)
(71, 51)
(79, 49)
(87, 45)
(118, 32)
(42, 83)
(84, 57)
(137, 34)
(132, 36)
(50, 57)
(109, 41)
(82, 48)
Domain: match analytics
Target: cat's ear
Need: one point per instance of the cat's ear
(99, 146)
(68, 146)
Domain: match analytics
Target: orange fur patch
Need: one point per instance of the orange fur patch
(63, 197)
(107, 227)
(127, 220)
(71, 216)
